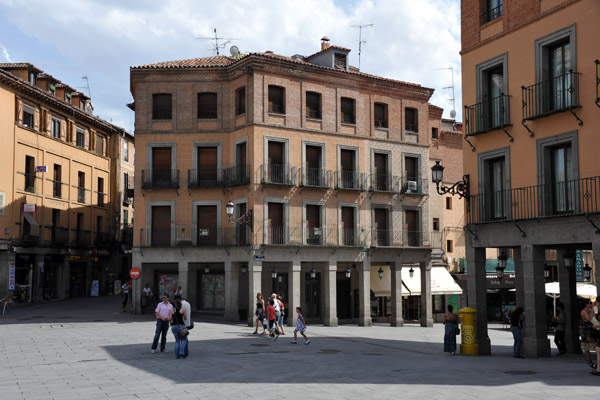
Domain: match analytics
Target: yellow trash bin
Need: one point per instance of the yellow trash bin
(468, 334)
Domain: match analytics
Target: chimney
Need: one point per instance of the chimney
(324, 43)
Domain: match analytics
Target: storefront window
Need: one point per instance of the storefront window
(438, 303)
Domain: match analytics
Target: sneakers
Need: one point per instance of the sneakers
(307, 342)
(153, 351)
(276, 336)
(518, 356)
(293, 342)
(164, 351)
(254, 333)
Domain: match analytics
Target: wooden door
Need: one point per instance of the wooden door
(380, 171)
(410, 169)
(207, 226)
(276, 230)
(161, 226)
(348, 234)
(314, 231)
(161, 166)
(241, 173)
(312, 296)
(313, 166)
(381, 227)
(276, 162)
(347, 166)
(207, 167)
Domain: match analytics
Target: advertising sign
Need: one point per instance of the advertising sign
(41, 168)
(11, 277)
(29, 208)
(579, 266)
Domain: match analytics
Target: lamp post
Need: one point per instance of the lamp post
(411, 272)
(461, 188)
(546, 271)
(380, 272)
(500, 274)
(274, 274)
(587, 272)
(568, 259)
(313, 273)
(244, 219)
(348, 273)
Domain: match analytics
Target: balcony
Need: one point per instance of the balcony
(552, 96)
(316, 177)
(492, 14)
(384, 183)
(414, 185)
(31, 183)
(59, 189)
(83, 238)
(487, 116)
(212, 178)
(237, 176)
(278, 174)
(58, 235)
(127, 235)
(404, 238)
(192, 236)
(128, 190)
(351, 180)
(102, 239)
(160, 179)
(81, 194)
(553, 200)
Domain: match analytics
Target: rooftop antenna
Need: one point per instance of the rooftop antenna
(452, 99)
(87, 86)
(360, 41)
(217, 45)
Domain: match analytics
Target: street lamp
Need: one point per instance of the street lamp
(411, 272)
(206, 269)
(380, 272)
(501, 266)
(348, 273)
(313, 273)
(244, 268)
(244, 219)
(461, 188)
(568, 259)
(546, 271)
(274, 274)
(587, 272)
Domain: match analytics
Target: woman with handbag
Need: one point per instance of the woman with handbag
(450, 331)
(179, 330)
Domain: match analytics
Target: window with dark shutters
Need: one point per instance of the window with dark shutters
(276, 99)
(313, 224)
(380, 170)
(161, 166)
(207, 225)
(161, 226)
(276, 162)
(381, 117)
(240, 101)
(339, 61)
(348, 226)
(313, 105)
(347, 109)
(411, 120)
(313, 166)
(381, 227)
(207, 105)
(207, 166)
(276, 228)
(162, 106)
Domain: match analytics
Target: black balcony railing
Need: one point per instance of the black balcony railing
(384, 183)
(551, 96)
(351, 180)
(316, 177)
(404, 238)
(411, 127)
(314, 114)
(83, 237)
(194, 236)
(208, 178)
(348, 119)
(487, 115)
(160, 179)
(278, 174)
(102, 239)
(237, 176)
(350, 237)
(101, 199)
(31, 183)
(59, 235)
(492, 13)
(381, 123)
(60, 189)
(574, 197)
(81, 194)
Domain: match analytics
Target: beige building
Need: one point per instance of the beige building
(57, 195)
(327, 169)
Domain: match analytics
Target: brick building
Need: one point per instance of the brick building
(326, 167)
(530, 95)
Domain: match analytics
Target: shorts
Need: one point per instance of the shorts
(271, 324)
(588, 346)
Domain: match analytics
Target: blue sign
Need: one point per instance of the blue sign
(259, 258)
(579, 266)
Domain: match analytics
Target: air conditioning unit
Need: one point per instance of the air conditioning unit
(411, 187)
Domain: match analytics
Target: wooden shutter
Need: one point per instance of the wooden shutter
(313, 157)
(207, 105)
(207, 225)
(241, 153)
(313, 216)
(410, 168)
(275, 214)
(381, 226)
(207, 158)
(313, 105)
(347, 108)
(86, 139)
(347, 160)
(161, 225)
(411, 227)
(347, 225)
(275, 153)
(161, 106)
(380, 164)
(276, 103)
(161, 158)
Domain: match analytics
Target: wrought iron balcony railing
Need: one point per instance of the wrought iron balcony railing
(211, 178)
(487, 115)
(492, 13)
(351, 180)
(316, 177)
(551, 96)
(237, 176)
(384, 183)
(194, 236)
(160, 179)
(31, 183)
(574, 197)
(278, 174)
(58, 235)
(414, 185)
(404, 238)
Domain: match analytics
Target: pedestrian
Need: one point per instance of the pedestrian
(516, 322)
(259, 312)
(163, 312)
(177, 291)
(559, 332)
(179, 329)
(277, 309)
(146, 298)
(281, 314)
(588, 343)
(188, 320)
(596, 335)
(272, 325)
(124, 295)
(300, 327)
(451, 330)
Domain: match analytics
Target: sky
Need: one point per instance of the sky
(410, 40)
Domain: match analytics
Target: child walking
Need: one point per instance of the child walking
(300, 327)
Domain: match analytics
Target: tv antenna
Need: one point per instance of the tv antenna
(452, 99)
(360, 41)
(217, 45)
(87, 86)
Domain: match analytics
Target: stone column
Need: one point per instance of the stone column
(331, 293)
(232, 283)
(426, 310)
(254, 286)
(136, 291)
(36, 283)
(364, 292)
(183, 277)
(568, 296)
(519, 287)
(294, 291)
(535, 343)
(476, 292)
(396, 317)
(88, 277)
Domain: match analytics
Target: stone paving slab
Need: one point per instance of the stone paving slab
(111, 359)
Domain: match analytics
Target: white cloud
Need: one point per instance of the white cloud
(4, 53)
(409, 40)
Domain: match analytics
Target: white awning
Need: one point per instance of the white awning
(583, 289)
(441, 282)
(34, 227)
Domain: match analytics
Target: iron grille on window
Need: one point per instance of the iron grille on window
(493, 10)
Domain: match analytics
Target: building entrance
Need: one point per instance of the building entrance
(312, 295)
(343, 296)
(212, 292)
(77, 279)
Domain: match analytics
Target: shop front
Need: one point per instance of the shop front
(23, 280)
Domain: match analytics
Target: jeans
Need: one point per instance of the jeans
(161, 327)
(281, 316)
(516, 331)
(559, 340)
(180, 343)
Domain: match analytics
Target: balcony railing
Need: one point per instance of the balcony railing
(83, 238)
(384, 183)
(381, 123)
(58, 235)
(278, 174)
(492, 13)
(276, 108)
(160, 179)
(348, 119)
(212, 178)
(193, 236)
(411, 127)
(81, 194)
(237, 176)
(128, 189)
(574, 197)
(31, 183)
(59, 189)
(551, 96)
(414, 185)
(351, 180)
(127, 235)
(102, 239)
(101, 198)
(316, 177)
(488, 115)
(404, 238)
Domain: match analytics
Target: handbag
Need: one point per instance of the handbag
(189, 328)
(457, 330)
(183, 332)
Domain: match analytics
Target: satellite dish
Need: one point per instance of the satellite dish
(452, 114)
(234, 51)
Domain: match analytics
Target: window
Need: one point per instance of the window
(347, 109)
(496, 183)
(162, 106)
(100, 192)
(493, 10)
(436, 224)
(276, 99)
(449, 246)
(125, 217)
(126, 151)
(100, 144)
(434, 133)
(80, 140)
(2, 201)
(57, 184)
(240, 101)
(28, 116)
(412, 120)
(207, 105)
(29, 174)
(56, 128)
(81, 187)
(448, 203)
(339, 61)
(381, 115)
(313, 105)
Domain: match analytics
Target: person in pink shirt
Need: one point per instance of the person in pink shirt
(163, 312)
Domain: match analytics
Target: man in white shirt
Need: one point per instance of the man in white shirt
(277, 306)
(187, 320)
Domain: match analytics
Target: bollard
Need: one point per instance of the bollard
(468, 334)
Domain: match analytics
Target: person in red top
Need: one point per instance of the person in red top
(271, 317)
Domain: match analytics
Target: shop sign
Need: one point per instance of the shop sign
(579, 266)
(11, 277)
(134, 273)
(29, 208)
(259, 258)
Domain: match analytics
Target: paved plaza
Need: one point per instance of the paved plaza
(87, 349)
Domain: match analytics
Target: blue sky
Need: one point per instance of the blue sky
(101, 39)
